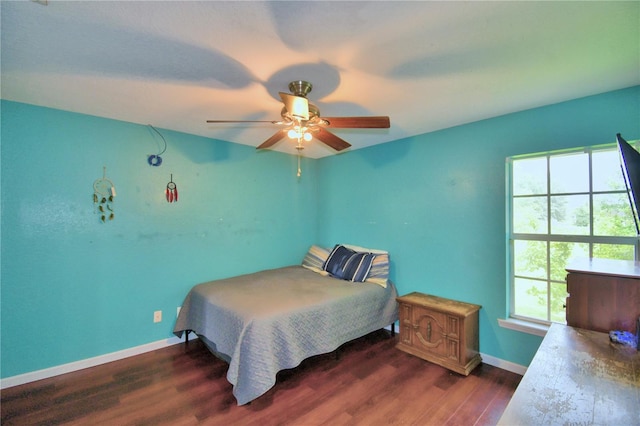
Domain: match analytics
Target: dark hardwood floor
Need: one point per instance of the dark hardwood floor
(368, 383)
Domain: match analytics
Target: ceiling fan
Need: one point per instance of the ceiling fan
(301, 121)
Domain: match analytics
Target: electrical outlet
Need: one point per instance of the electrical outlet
(157, 316)
(178, 311)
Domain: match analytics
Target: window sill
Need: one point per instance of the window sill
(524, 326)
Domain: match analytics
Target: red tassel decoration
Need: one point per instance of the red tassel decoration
(171, 191)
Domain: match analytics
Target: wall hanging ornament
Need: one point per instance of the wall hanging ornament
(156, 160)
(104, 193)
(172, 191)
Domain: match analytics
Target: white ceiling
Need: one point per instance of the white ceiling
(428, 65)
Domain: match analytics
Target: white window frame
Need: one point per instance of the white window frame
(534, 325)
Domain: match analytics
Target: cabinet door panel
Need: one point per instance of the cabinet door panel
(453, 327)
(454, 349)
(406, 324)
(429, 330)
(405, 313)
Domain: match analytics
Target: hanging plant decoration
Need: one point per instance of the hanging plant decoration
(171, 191)
(156, 160)
(104, 193)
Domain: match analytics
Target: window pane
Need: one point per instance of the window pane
(569, 173)
(614, 251)
(530, 215)
(530, 258)
(612, 215)
(530, 298)
(607, 174)
(562, 253)
(530, 176)
(570, 215)
(558, 300)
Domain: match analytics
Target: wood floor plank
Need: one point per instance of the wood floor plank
(337, 402)
(482, 395)
(506, 385)
(411, 393)
(367, 382)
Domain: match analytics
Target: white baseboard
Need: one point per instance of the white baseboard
(89, 362)
(505, 365)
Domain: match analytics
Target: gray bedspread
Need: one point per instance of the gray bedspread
(271, 320)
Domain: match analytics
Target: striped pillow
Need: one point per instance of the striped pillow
(349, 265)
(379, 273)
(315, 259)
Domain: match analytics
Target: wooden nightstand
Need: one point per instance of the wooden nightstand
(439, 330)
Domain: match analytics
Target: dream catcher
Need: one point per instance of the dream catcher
(104, 192)
(172, 191)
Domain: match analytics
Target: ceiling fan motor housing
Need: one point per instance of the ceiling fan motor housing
(300, 88)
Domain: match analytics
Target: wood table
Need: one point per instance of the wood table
(578, 377)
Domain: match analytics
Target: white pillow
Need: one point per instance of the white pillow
(365, 250)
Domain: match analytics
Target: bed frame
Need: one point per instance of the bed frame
(187, 332)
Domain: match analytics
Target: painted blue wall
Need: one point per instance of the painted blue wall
(73, 287)
(437, 201)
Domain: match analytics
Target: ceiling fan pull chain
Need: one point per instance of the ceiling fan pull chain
(299, 148)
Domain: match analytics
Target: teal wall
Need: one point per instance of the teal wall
(437, 201)
(74, 288)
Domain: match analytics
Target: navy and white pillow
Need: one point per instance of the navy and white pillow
(349, 264)
(379, 273)
(378, 270)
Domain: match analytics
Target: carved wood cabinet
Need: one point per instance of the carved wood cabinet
(439, 330)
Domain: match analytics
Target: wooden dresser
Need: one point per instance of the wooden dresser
(440, 330)
(604, 295)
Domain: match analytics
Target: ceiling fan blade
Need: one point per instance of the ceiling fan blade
(330, 139)
(379, 122)
(277, 137)
(244, 121)
(297, 106)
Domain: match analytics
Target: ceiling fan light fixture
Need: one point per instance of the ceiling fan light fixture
(298, 133)
(300, 108)
(296, 106)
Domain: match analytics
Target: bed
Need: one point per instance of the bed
(271, 320)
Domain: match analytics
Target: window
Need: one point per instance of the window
(562, 206)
